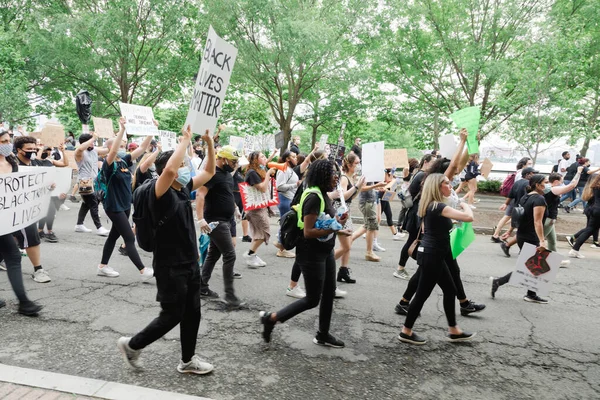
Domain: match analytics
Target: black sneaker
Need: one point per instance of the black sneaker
(570, 241)
(495, 286)
(328, 340)
(412, 339)
(29, 308)
(470, 307)
(268, 325)
(535, 299)
(496, 239)
(461, 337)
(50, 237)
(247, 239)
(73, 199)
(209, 294)
(567, 209)
(233, 301)
(505, 249)
(123, 251)
(41, 234)
(401, 309)
(237, 275)
(343, 275)
(2, 303)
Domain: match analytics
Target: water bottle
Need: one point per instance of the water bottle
(343, 209)
(213, 225)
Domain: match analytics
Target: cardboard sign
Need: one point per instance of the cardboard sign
(535, 270)
(394, 158)
(53, 134)
(448, 146)
(139, 120)
(373, 164)
(168, 140)
(486, 168)
(217, 63)
(103, 127)
(254, 199)
(468, 118)
(24, 197)
(37, 135)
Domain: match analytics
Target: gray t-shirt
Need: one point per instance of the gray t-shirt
(88, 166)
(368, 196)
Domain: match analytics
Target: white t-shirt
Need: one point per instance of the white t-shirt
(564, 164)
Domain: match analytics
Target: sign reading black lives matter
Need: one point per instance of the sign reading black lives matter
(218, 58)
(24, 197)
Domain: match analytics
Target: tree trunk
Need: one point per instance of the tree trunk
(436, 130)
(585, 147)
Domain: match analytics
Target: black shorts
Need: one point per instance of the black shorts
(468, 177)
(28, 236)
(175, 283)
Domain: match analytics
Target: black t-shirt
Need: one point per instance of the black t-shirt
(571, 171)
(298, 171)
(308, 247)
(252, 177)
(357, 150)
(294, 149)
(118, 196)
(437, 230)
(219, 203)
(552, 202)
(34, 163)
(237, 179)
(141, 177)
(526, 231)
(176, 239)
(584, 177)
(519, 189)
(415, 186)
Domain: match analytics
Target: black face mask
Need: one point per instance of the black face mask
(227, 168)
(198, 153)
(29, 154)
(90, 148)
(45, 155)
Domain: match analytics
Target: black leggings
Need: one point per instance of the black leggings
(48, 221)
(434, 271)
(454, 271)
(319, 281)
(593, 224)
(387, 210)
(121, 227)
(9, 252)
(89, 202)
(296, 271)
(413, 231)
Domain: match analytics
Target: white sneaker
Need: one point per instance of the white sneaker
(195, 366)
(252, 260)
(472, 207)
(63, 208)
(296, 292)
(339, 294)
(82, 229)
(147, 274)
(377, 247)
(575, 254)
(260, 261)
(565, 263)
(131, 356)
(107, 271)
(102, 231)
(401, 274)
(399, 236)
(364, 235)
(41, 276)
(285, 254)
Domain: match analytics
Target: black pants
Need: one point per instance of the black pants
(591, 228)
(48, 222)
(504, 279)
(89, 202)
(179, 297)
(120, 227)
(454, 271)
(319, 282)
(220, 244)
(434, 272)
(296, 272)
(9, 252)
(387, 210)
(412, 228)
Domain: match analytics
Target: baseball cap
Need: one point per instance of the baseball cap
(229, 152)
(132, 146)
(529, 170)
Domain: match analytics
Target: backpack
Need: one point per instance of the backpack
(518, 212)
(508, 183)
(144, 216)
(101, 184)
(291, 223)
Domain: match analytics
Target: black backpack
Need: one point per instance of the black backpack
(518, 212)
(291, 224)
(144, 216)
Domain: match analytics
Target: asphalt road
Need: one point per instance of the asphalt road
(522, 350)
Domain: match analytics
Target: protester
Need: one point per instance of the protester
(384, 205)
(86, 157)
(238, 178)
(294, 146)
(471, 174)
(9, 252)
(407, 175)
(117, 202)
(314, 256)
(590, 192)
(367, 204)
(356, 149)
(287, 182)
(175, 259)
(585, 174)
(431, 254)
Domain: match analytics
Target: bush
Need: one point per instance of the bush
(490, 186)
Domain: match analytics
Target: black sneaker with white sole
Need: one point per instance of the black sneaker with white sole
(570, 241)
(268, 325)
(461, 337)
(505, 249)
(401, 309)
(470, 307)
(328, 340)
(412, 339)
(535, 299)
(496, 239)
(209, 294)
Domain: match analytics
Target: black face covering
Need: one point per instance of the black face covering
(45, 155)
(90, 148)
(227, 168)
(199, 153)
(29, 154)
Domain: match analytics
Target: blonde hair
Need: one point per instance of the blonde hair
(431, 193)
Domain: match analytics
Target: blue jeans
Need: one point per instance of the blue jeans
(572, 194)
(284, 205)
(578, 199)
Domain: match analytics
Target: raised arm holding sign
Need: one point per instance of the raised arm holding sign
(139, 120)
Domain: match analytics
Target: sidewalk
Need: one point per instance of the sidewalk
(28, 384)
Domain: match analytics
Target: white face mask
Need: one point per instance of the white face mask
(547, 188)
(6, 149)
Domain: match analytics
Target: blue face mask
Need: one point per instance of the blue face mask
(121, 154)
(183, 176)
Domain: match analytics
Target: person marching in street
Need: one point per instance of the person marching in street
(287, 183)
(407, 175)
(472, 172)
(367, 203)
(238, 178)
(215, 204)
(591, 193)
(314, 255)
(585, 175)
(9, 252)
(117, 203)
(175, 258)
(86, 157)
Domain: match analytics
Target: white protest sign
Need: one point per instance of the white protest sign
(447, 146)
(248, 144)
(323, 141)
(24, 197)
(237, 142)
(139, 120)
(217, 63)
(62, 178)
(536, 271)
(168, 140)
(373, 164)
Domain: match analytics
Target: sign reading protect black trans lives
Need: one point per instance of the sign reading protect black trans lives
(217, 63)
(24, 197)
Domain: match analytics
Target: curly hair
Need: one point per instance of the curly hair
(284, 158)
(255, 165)
(348, 161)
(20, 141)
(522, 163)
(320, 173)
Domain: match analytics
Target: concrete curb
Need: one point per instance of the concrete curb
(85, 386)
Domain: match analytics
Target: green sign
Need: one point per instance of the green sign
(461, 238)
(468, 118)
